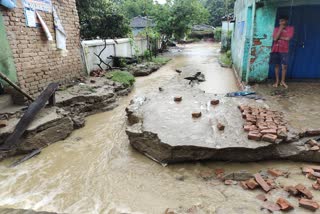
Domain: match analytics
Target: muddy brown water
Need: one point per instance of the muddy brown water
(96, 171)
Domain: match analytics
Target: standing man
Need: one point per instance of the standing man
(280, 50)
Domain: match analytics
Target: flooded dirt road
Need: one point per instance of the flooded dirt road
(96, 171)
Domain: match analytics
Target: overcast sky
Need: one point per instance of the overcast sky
(161, 1)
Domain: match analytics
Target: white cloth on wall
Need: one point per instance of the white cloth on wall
(61, 35)
(45, 27)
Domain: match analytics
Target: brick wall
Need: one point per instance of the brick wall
(38, 61)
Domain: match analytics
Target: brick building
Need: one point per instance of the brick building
(26, 55)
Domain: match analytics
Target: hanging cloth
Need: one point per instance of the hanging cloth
(61, 36)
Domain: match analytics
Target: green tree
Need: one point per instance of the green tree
(218, 9)
(133, 8)
(176, 18)
(101, 18)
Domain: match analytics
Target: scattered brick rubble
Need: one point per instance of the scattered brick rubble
(313, 145)
(266, 182)
(264, 124)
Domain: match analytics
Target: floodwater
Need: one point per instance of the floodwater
(96, 171)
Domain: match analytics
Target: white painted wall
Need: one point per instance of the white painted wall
(118, 47)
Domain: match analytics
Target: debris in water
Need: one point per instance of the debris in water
(27, 157)
(196, 114)
(178, 99)
(221, 127)
(215, 102)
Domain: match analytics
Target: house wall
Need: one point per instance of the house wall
(241, 41)
(38, 62)
(264, 22)
(226, 27)
(251, 50)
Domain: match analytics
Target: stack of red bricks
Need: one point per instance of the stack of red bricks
(264, 124)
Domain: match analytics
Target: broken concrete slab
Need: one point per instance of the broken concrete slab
(49, 126)
(166, 132)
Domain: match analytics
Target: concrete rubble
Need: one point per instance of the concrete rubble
(54, 124)
(170, 132)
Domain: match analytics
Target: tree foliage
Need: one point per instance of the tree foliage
(133, 8)
(218, 9)
(101, 18)
(176, 18)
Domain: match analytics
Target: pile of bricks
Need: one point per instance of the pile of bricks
(313, 145)
(264, 124)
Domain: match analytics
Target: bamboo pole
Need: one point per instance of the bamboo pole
(5, 78)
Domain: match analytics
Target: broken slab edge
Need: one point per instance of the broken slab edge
(150, 144)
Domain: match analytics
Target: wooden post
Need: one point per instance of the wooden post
(16, 87)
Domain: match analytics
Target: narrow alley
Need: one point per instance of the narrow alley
(95, 170)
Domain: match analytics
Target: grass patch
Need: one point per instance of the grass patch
(160, 60)
(123, 77)
(225, 59)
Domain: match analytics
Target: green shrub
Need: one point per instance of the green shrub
(228, 54)
(160, 60)
(217, 34)
(123, 77)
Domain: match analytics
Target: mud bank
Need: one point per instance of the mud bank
(54, 124)
(165, 131)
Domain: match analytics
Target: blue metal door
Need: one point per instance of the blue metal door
(304, 52)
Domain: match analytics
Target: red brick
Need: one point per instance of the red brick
(313, 142)
(304, 191)
(262, 182)
(272, 207)
(215, 102)
(247, 128)
(284, 204)
(261, 197)
(3, 123)
(269, 131)
(254, 136)
(306, 170)
(315, 168)
(253, 127)
(316, 186)
(218, 171)
(271, 138)
(308, 204)
(221, 127)
(291, 190)
(252, 184)
(275, 172)
(243, 184)
(312, 133)
(196, 114)
(228, 182)
(178, 99)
